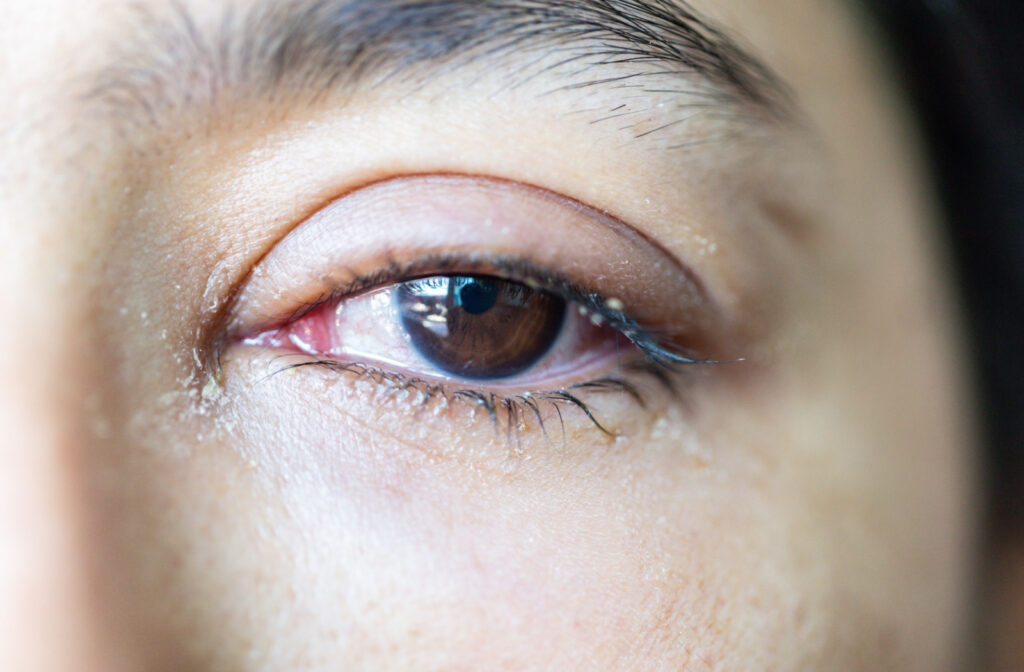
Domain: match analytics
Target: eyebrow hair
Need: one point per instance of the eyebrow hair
(276, 49)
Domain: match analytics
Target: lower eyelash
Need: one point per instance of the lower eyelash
(509, 413)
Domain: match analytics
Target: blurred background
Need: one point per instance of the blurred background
(963, 63)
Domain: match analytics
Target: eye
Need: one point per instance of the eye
(458, 328)
(469, 289)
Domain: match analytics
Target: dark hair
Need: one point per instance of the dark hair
(962, 62)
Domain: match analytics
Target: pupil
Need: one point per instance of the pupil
(475, 295)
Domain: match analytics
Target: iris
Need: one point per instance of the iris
(478, 327)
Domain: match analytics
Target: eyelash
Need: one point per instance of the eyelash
(658, 361)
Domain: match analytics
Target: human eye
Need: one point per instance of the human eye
(466, 291)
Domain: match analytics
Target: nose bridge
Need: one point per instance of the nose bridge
(46, 572)
(60, 594)
(59, 604)
(48, 568)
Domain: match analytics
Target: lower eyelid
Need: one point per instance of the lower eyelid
(607, 404)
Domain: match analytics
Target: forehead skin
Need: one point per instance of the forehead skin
(813, 516)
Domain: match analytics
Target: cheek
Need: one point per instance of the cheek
(548, 563)
(357, 542)
(314, 525)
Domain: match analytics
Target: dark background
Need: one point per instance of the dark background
(963, 63)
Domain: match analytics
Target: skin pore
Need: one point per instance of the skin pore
(174, 498)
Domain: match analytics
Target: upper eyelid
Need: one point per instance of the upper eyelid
(627, 236)
(586, 255)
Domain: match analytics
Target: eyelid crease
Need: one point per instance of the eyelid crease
(492, 189)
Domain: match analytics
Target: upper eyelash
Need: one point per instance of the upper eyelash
(516, 269)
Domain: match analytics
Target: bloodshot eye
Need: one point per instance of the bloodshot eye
(479, 328)
(458, 328)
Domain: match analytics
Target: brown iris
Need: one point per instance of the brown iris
(479, 327)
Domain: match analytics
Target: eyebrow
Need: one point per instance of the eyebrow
(276, 50)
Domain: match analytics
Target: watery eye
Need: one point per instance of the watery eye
(477, 327)
(457, 328)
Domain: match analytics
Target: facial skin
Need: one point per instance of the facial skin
(169, 504)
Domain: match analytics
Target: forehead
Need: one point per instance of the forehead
(78, 74)
(74, 71)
